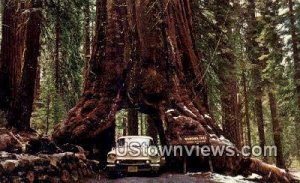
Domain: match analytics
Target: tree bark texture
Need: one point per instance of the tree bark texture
(19, 116)
(276, 131)
(12, 48)
(144, 55)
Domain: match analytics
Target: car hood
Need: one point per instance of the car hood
(133, 152)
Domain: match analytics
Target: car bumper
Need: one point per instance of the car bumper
(140, 168)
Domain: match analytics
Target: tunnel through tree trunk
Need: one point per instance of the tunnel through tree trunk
(144, 55)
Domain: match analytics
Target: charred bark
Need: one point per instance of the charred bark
(19, 116)
(144, 55)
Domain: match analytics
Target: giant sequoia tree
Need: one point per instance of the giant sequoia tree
(144, 55)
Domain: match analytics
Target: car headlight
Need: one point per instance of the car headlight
(111, 157)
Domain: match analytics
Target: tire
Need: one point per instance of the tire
(154, 173)
(113, 174)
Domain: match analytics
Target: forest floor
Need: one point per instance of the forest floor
(174, 178)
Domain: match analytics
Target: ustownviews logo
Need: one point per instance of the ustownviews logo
(136, 149)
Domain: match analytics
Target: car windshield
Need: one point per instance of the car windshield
(134, 142)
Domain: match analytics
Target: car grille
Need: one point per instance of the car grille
(130, 162)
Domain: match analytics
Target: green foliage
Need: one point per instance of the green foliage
(54, 103)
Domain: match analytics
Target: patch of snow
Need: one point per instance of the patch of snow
(170, 110)
(209, 127)
(207, 116)
(213, 136)
(214, 177)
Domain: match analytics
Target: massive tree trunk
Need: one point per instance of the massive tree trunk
(144, 55)
(253, 55)
(296, 58)
(19, 115)
(276, 131)
(12, 47)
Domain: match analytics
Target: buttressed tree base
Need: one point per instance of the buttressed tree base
(144, 56)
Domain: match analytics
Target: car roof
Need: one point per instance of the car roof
(135, 136)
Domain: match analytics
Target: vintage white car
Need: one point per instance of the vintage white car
(134, 154)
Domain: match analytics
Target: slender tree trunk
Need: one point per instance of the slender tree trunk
(48, 112)
(296, 58)
(253, 54)
(124, 120)
(276, 131)
(228, 85)
(133, 123)
(57, 51)
(246, 102)
(87, 36)
(22, 108)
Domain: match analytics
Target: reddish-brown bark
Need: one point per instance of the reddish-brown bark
(276, 131)
(12, 47)
(144, 56)
(19, 115)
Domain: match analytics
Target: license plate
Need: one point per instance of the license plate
(132, 169)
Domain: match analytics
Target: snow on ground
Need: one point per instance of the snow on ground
(175, 178)
(218, 178)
